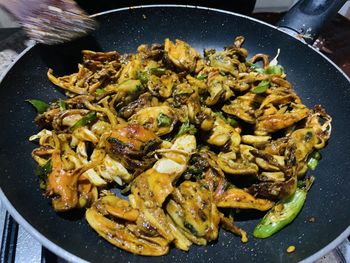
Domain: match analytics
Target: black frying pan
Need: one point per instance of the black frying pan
(315, 78)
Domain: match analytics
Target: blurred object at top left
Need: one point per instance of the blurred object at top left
(50, 21)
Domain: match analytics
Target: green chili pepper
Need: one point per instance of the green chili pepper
(281, 214)
(312, 163)
(39, 105)
(87, 119)
(262, 87)
(62, 104)
(164, 120)
(313, 160)
(316, 155)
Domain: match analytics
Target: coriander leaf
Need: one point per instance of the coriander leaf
(186, 128)
(164, 120)
(202, 76)
(39, 105)
(228, 120)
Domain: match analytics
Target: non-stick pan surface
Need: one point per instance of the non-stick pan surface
(315, 79)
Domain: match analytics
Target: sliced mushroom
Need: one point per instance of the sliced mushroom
(218, 88)
(181, 54)
(194, 212)
(230, 164)
(244, 107)
(159, 119)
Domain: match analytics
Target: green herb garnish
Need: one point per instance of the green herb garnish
(87, 119)
(313, 160)
(39, 105)
(202, 76)
(164, 120)
(42, 171)
(100, 91)
(186, 128)
(157, 71)
(277, 69)
(143, 76)
(62, 104)
(228, 120)
(262, 87)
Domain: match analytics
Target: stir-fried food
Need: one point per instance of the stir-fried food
(164, 146)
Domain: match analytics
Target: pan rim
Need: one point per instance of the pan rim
(73, 258)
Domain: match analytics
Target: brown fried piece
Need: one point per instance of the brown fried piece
(96, 60)
(244, 107)
(130, 143)
(144, 101)
(193, 209)
(62, 185)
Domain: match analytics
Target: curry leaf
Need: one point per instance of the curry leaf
(39, 105)
(42, 171)
(100, 91)
(262, 87)
(87, 119)
(277, 69)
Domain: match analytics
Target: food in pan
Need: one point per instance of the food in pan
(164, 146)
